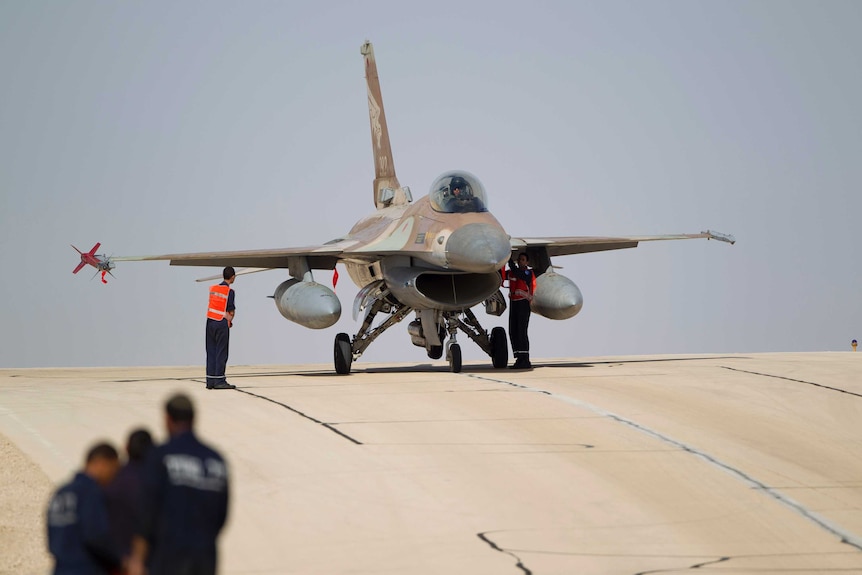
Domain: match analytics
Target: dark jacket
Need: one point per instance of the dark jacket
(124, 500)
(78, 533)
(186, 499)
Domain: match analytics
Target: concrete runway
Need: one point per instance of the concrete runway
(724, 464)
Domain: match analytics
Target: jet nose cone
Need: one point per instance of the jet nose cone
(478, 248)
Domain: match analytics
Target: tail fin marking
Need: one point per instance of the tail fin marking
(384, 165)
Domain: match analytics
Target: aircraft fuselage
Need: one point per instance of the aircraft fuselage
(418, 251)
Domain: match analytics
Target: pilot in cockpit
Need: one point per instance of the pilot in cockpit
(457, 193)
(458, 187)
(461, 196)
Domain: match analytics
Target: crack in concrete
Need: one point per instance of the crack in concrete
(689, 568)
(519, 564)
(510, 383)
(838, 389)
(305, 415)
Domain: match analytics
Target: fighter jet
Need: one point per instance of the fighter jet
(436, 257)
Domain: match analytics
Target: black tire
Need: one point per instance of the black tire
(455, 358)
(343, 354)
(499, 348)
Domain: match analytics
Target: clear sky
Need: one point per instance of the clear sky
(163, 127)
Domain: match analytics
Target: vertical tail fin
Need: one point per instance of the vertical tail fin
(384, 165)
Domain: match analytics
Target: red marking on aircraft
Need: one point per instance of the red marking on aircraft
(102, 263)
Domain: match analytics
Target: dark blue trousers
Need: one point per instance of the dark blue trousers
(519, 322)
(218, 337)
(189, 562)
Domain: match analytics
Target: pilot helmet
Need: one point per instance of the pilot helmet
(460, 183)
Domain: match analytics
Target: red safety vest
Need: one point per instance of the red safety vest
(218, 302)
(519, 289)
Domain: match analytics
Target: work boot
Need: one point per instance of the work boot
(222, 385)
(522, 361)
(519, 363)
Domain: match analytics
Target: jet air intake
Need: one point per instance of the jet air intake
(429, 289)
(309, 304)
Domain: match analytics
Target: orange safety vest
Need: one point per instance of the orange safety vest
(218, 302)
(519, 289)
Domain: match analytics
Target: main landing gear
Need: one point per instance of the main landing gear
(499, 348)
(494, 344)
(343, 353)
(347, 350)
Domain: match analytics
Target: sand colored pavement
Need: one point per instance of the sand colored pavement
(725, 464)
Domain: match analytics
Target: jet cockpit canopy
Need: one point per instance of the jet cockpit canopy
(457, 193)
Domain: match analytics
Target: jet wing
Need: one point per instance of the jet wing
(562, 246)
(319, 257)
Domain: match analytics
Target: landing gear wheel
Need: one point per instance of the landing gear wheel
(343, 354)
(499, 348)
(455, 358)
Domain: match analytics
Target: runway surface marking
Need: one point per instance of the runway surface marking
(845, 536)
(38, 436)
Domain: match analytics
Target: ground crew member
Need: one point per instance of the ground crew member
(185, 501)
(78, 531)
(522, 285)
(125, 492)
(220, 314)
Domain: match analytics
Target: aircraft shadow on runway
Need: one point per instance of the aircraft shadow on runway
(477, 368)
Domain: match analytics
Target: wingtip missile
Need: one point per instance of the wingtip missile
(101, 262)
(711, 235)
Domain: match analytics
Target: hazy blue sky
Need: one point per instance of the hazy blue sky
(159, 127)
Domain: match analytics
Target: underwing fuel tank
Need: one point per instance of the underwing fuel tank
(309, 304)
(556, 297)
